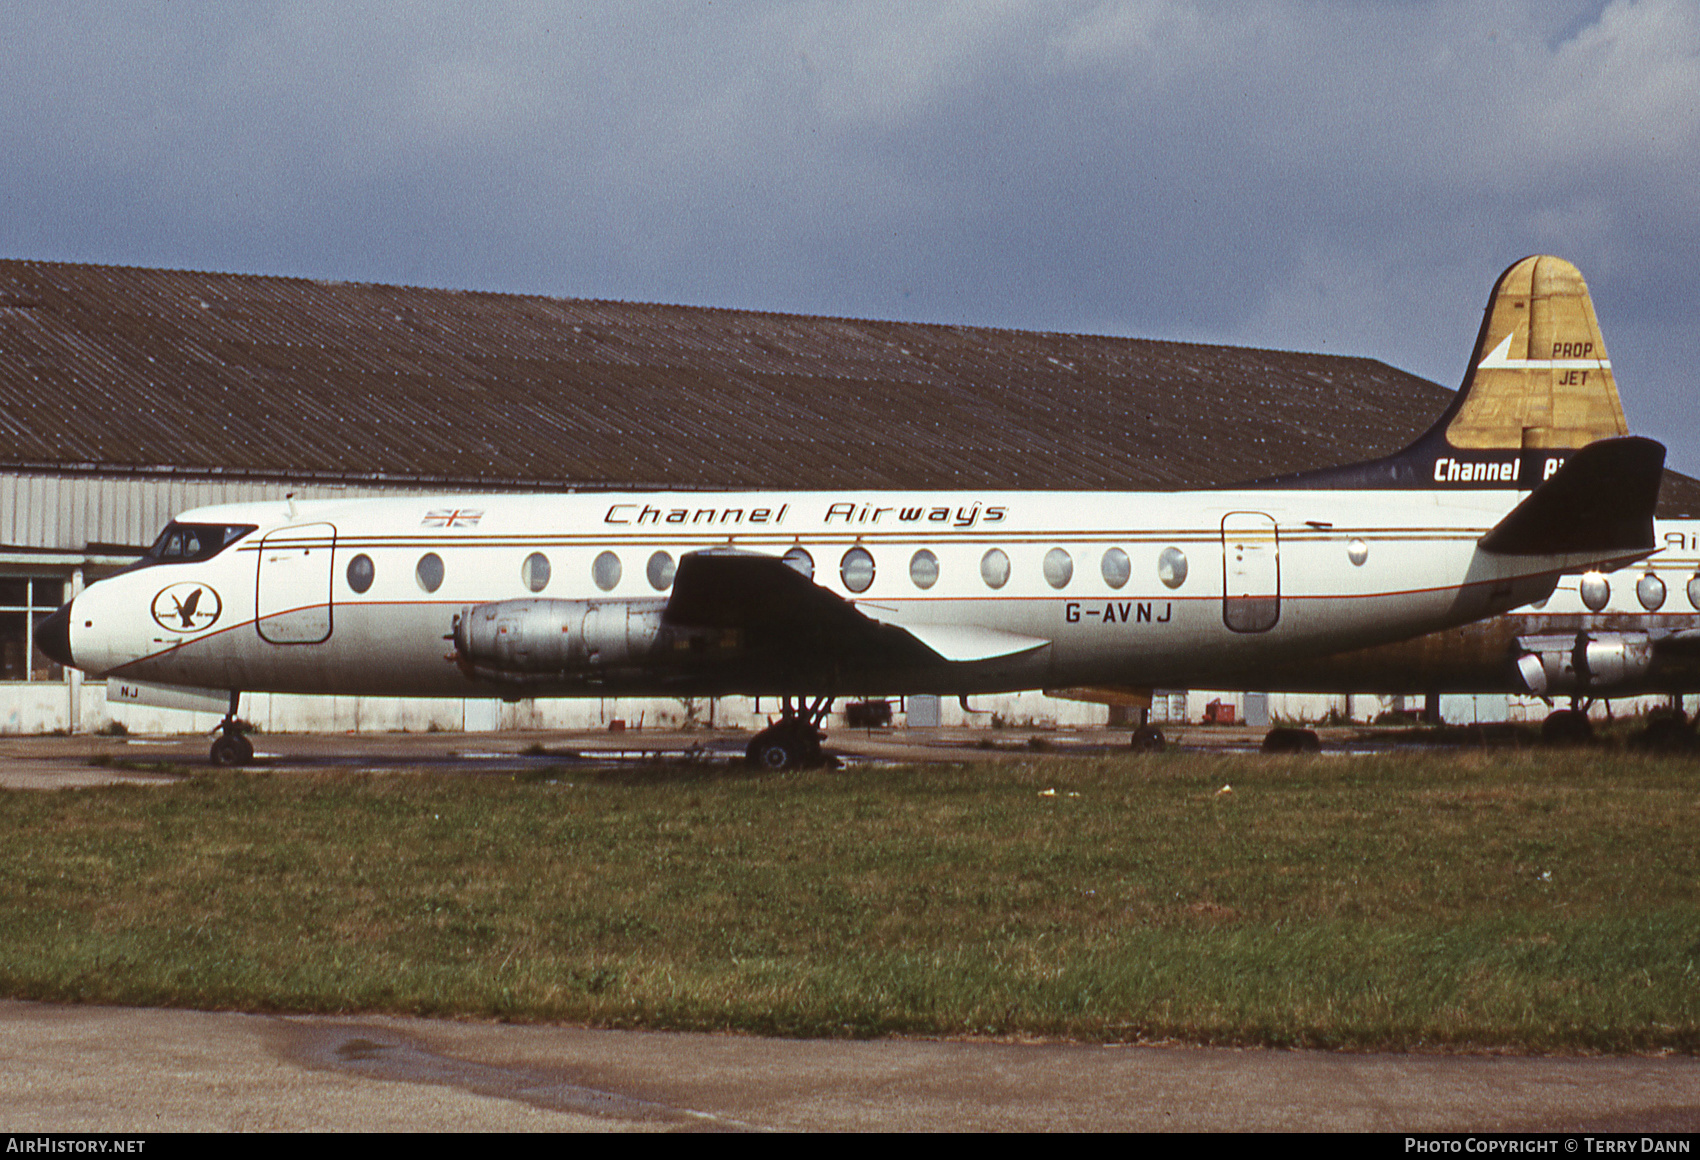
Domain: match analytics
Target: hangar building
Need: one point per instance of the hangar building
(127, 395)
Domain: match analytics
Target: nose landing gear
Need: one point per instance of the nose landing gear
(231, 747)
(1147, 738)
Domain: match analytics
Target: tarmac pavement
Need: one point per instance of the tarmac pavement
(49, 762)
(128, 1070)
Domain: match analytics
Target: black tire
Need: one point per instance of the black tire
(775, 755)
(1567, 727)
(787, 745)
(230, 750)
(1286, 740)
(1148, 739)
(1668, 732)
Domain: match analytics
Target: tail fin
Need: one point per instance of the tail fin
(1540, 378)
(1539, 385)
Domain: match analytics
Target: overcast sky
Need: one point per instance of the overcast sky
(1339, 177)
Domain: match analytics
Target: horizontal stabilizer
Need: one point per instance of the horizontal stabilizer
(1601, 500)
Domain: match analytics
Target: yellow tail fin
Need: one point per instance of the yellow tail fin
(1540, 377)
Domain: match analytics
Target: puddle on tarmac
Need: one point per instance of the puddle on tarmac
(387, 1055)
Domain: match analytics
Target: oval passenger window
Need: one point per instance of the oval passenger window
(1171, 567)
(606, 571)
(361, 572)
(1117, 567)
(1596, 591)
(429, 573)
(660, 571)
(535, 570)
(1650, 591)
(799, 561)
(857, 570)
(924, 569)
(1059, 568)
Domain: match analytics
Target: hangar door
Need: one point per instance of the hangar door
(293, 594)
(1251, 572)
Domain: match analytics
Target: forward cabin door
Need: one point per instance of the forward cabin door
(292, 598)
(1251, 572)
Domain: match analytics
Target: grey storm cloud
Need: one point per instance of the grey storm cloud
(1347, 177)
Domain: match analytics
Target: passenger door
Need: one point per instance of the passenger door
(292, 597)
(1251, 572)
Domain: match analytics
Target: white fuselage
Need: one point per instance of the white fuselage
(1131, 589)
(1626, 633)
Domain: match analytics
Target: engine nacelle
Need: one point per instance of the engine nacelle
(1583, 662)
(525, 638)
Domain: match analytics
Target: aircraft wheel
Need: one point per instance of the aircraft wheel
(1286, 740)
(1667, 732)
(787, 745)
(1567, 727)
(232, 749)
(777, 754)
(1148, 739)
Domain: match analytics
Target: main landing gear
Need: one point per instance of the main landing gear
(793, 741)
(1147, 738)
(1285, 739)
(231, 747)
(1568, 726)
(1668, 730)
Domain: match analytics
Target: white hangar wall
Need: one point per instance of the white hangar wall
(65, 514)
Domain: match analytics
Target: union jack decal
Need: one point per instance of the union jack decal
(453, 518)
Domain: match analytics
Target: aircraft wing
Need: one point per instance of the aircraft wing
(1684, 642)
(731, 589)
(966, 642)
(779, 609)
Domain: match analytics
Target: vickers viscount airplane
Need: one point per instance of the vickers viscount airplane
(814, 595)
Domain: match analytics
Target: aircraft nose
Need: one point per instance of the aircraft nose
(53, 636)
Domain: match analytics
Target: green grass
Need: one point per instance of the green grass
(1523, 901)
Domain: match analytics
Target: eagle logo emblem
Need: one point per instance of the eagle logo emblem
(187, 607)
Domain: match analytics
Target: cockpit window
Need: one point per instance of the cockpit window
(184, 543)
(190, 543)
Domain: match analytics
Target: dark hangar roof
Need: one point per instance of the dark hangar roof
(105, 368)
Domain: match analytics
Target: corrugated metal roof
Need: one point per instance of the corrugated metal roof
(249, 376)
